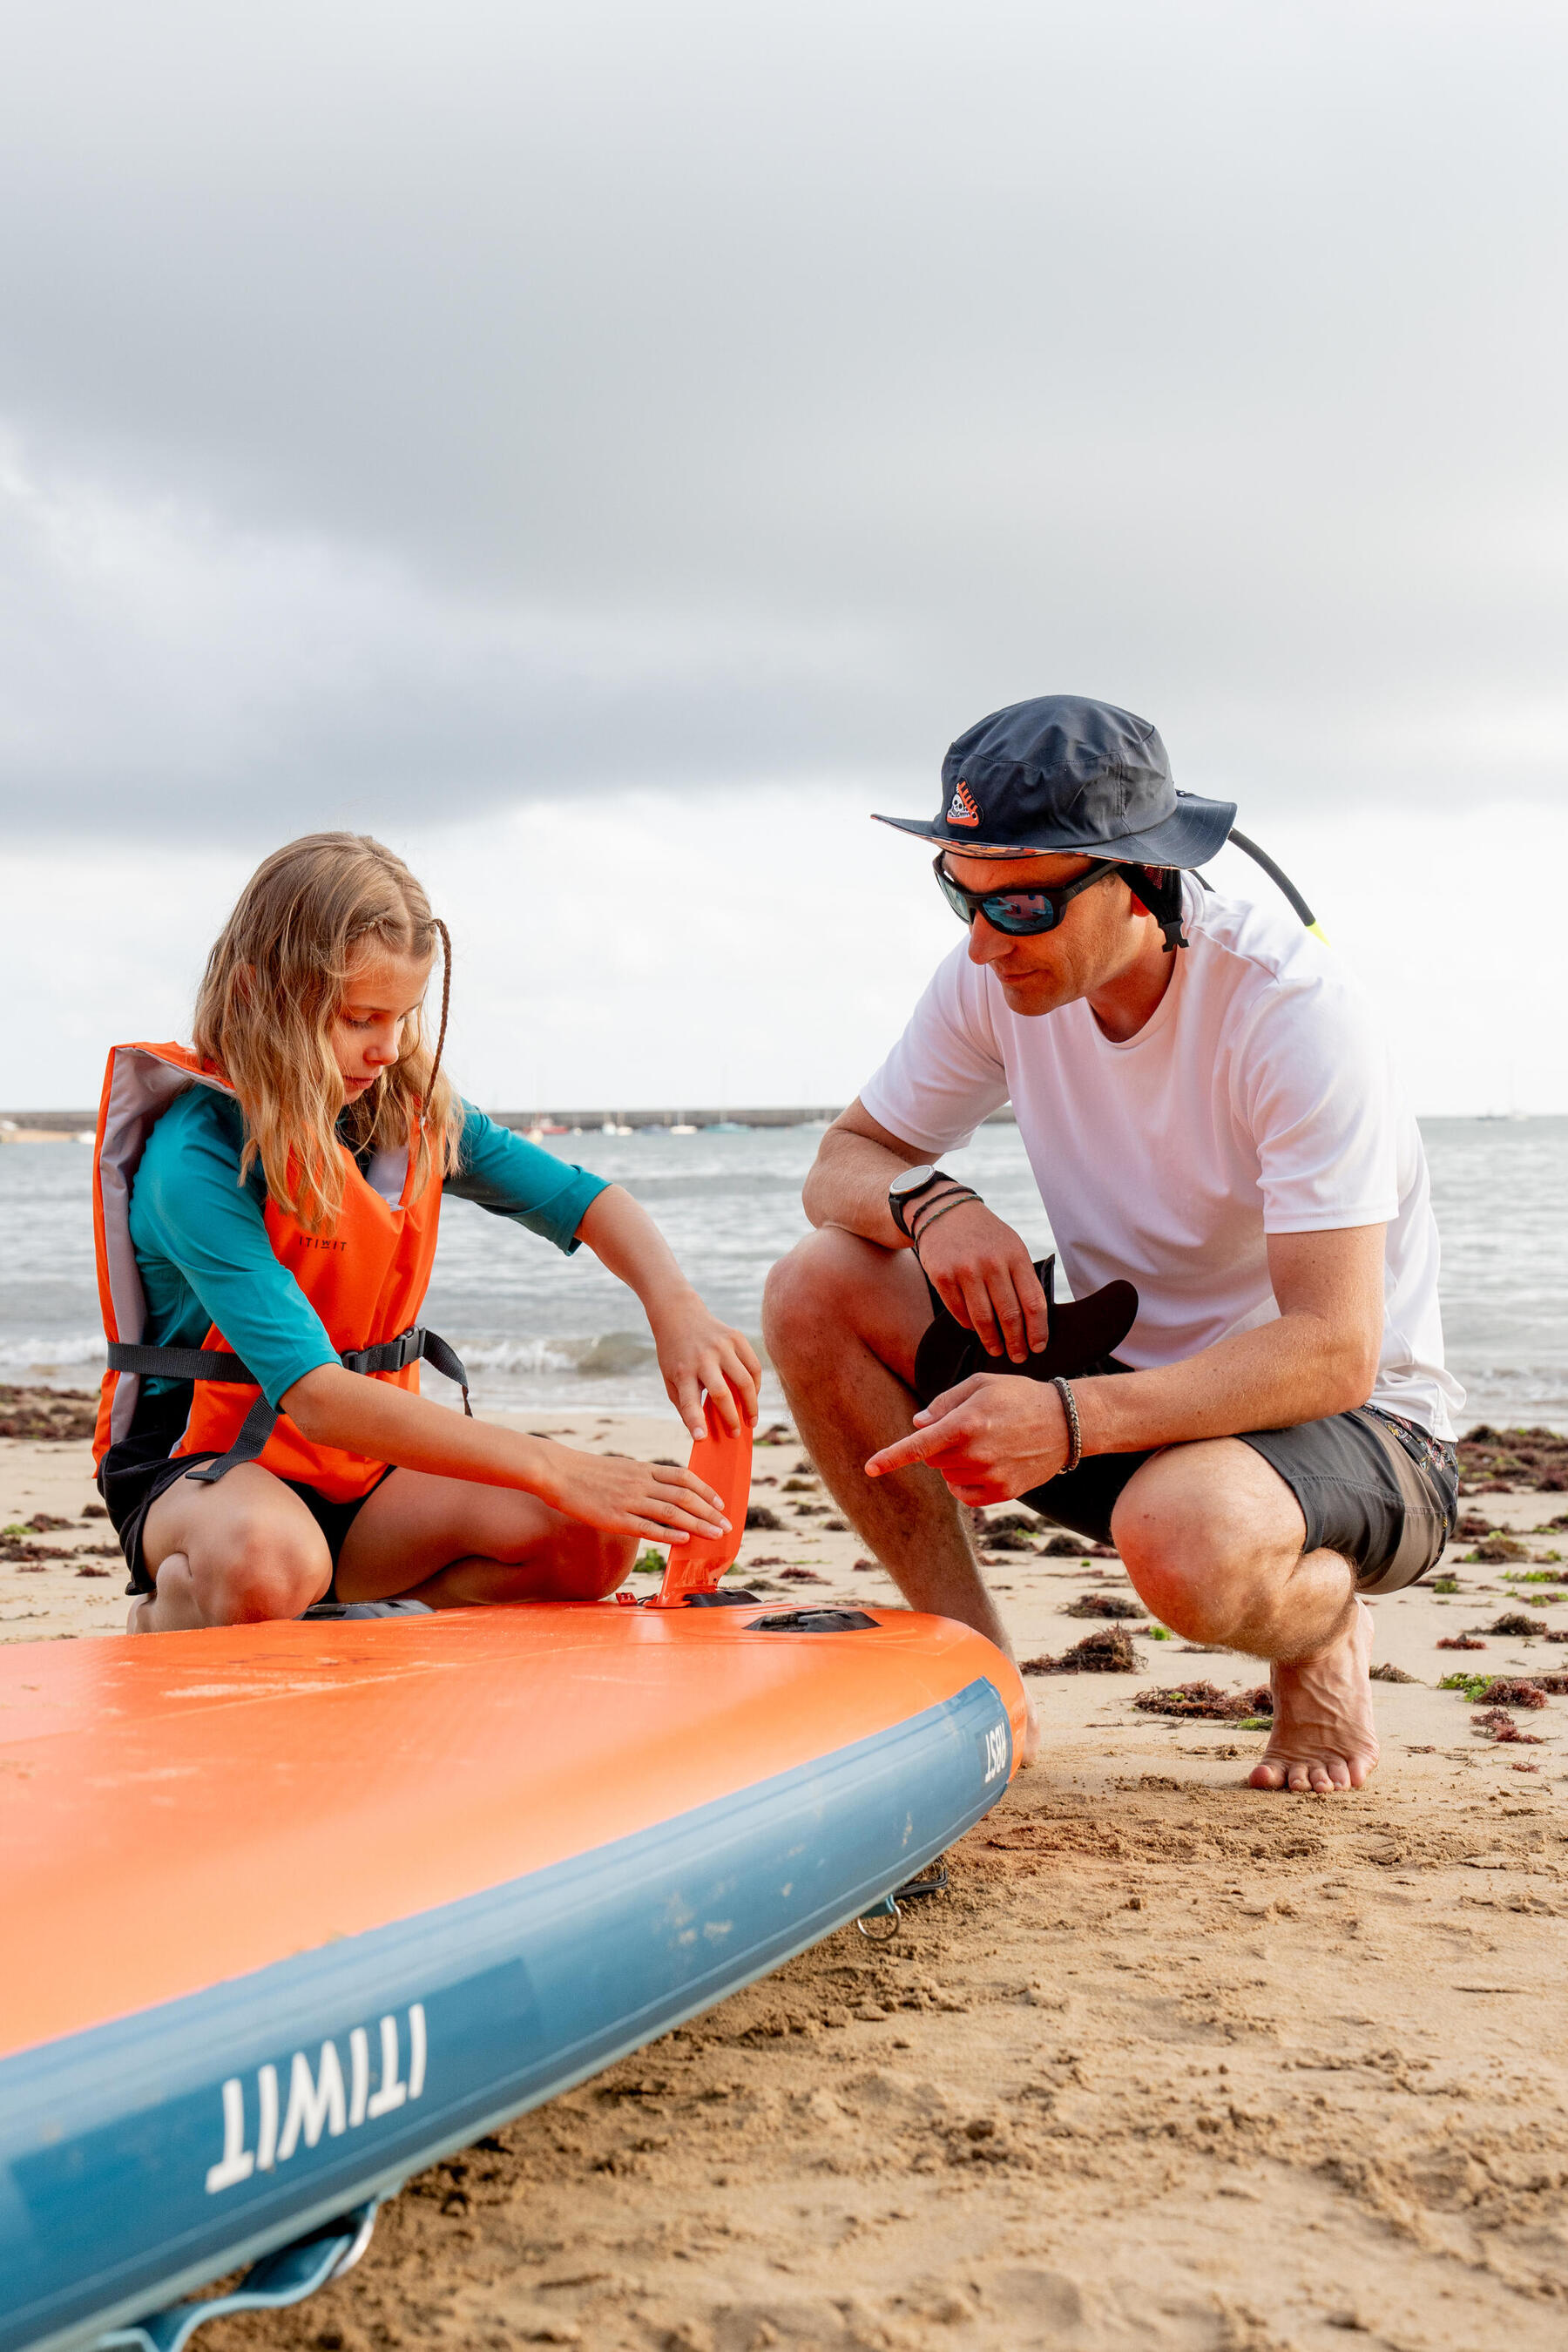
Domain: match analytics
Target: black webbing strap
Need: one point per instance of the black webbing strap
(1160, 889)
(409, 1348)
(218, 1364)
(178, 1364)
(255, 1430)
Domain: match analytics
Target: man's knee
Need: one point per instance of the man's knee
(819, 1291)
(797, 1290)
(1200, 1555)
(260, 1570)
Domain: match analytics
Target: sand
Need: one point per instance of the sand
(1173, 2064)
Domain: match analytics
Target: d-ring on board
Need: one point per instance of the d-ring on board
(279, 2279)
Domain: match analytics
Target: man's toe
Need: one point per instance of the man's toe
(1267, 1775)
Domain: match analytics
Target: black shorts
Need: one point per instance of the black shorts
(1372, 1487)
(139, 1468)
(1365, 1492)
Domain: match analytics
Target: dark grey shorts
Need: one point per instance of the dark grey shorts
(1374, 1488)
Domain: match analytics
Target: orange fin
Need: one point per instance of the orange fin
(725, 1463)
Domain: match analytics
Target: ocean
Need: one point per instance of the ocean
(550, 1334)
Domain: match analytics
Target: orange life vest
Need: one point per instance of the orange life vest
(366, 1280)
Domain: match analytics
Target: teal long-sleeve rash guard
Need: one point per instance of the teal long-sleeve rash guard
(200, 1236)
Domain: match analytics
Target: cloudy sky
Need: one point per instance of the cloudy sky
(608, 450)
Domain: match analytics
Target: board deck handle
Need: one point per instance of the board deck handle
(725, 1463)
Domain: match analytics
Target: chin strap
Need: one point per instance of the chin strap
(1159, 888)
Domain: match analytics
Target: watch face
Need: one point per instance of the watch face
(913, 1179)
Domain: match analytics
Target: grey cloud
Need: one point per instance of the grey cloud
(158, 666)
(727, 391)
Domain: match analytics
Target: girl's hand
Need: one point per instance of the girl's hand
(992, 1437)
(696, 1352)
(629, 1498)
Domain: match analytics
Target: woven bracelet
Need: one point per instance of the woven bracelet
(1075, 1433)
(953, 1202)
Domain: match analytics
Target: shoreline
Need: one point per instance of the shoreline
(1155, 2010)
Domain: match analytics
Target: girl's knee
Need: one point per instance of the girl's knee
(596, 1564)
(261, 1571)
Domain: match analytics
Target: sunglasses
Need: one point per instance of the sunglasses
(1021, 914)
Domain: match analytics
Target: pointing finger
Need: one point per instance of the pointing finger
(919, 1445)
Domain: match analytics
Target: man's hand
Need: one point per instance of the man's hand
(696, 1352)
(983, 1275)
(977, 1265)
(990, 1438)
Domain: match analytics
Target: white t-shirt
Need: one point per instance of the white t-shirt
(1258, 1100)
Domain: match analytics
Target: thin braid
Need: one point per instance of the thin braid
(445, 1002)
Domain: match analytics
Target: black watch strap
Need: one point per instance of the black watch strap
(899, 1204)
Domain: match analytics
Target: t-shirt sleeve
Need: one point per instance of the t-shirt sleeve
(1313, 1085)
(945, 1075)
(191, 1207)
(511, 1177)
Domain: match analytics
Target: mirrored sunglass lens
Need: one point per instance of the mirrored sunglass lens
(1020, 910)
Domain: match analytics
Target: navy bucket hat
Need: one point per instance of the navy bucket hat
(1063, 774)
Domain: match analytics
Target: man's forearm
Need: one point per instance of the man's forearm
(849, 1184)
(1298, 1369)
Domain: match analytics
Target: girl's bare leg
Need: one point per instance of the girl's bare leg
(452, 1543)
(247, 1550)
(233, 1554)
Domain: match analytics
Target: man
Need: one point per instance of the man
(1210, 1115)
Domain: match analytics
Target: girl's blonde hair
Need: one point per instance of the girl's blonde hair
(274, 984)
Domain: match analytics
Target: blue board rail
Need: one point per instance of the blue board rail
(142, 2157)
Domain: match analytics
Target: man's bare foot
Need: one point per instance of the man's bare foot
(1323, 1736)
(1029, 1746)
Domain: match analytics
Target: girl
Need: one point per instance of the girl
(267, 1208)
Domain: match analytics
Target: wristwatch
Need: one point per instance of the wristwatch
(906, 1190)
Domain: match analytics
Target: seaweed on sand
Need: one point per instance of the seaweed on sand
(1205, 1701)
(53, 1414)
(1499, 1690)
(1107, 1651)
(1501, 1459)
(1499, 1726)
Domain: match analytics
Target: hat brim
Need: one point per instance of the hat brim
(1193, 832)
